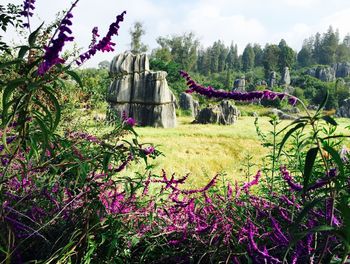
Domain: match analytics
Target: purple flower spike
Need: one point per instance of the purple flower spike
(292, 100)
(51, 56)
(255, 181)
(105, 44)
(28, 7)
(288, 178)
(210, 92)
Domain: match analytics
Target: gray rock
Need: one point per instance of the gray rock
(140, 93)
(344, 109)
(188, 103)
(342, 69)
(272, 79)
(239, 84)
(312, 107)
(323, 73)
(225, 114)
(293, 110)
(127, 63)
(285, 79)
(281, 115)
(326, 74)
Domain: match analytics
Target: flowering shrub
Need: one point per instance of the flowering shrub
(63, 198)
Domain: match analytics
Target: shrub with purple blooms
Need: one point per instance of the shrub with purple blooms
(67, 196)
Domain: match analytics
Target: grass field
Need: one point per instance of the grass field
(205, 150)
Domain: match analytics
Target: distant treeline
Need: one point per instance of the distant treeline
(186, 51)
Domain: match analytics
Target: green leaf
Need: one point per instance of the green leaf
(325, 99)
(9, 63)
(22, 51)
(10, 88)
(76, 77)
(44, 130)
(336, 158)
(46, 110)
(288, 134)
(34, 35)
(309, 164)
(55, 102)
(329, 120)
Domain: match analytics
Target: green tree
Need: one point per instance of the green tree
(136, 46)
(258, 52)
(304, 56)
(182, 49)
(104, 64)
(317, 48)
(270, 58)
(232, 57)
(286, 56)
(248, 58)
(329, 46)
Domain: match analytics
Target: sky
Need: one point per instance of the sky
(237, 21)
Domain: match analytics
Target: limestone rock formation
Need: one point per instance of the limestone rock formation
(188, 103)
(342, 69)
(140, 93)
(323, 73)
(285, 79)
(272, 79)
(225, 114)
(239, 84)
(344, 109)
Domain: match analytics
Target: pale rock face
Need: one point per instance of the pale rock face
(285, 80)
(344, 109)
(272, 79)
(324, 73)
(188, 103)
(144, 95)
(342, 69)
(239, 84)
(225, 114)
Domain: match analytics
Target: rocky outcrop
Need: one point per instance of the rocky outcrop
(342, 69)
(225, 114)
(330, 73)
(140, 93)
(323, 73)
(188, 103)
(344, 109)
(239, 84)
(272, 79)
(285, 79)
(281, 115)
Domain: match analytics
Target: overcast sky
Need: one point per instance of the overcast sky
(240, 21)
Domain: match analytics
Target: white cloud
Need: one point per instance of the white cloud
(301, 3)
(338, 20)
(210, 25)
(295, 35)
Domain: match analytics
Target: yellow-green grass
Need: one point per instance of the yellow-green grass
(205, 150)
